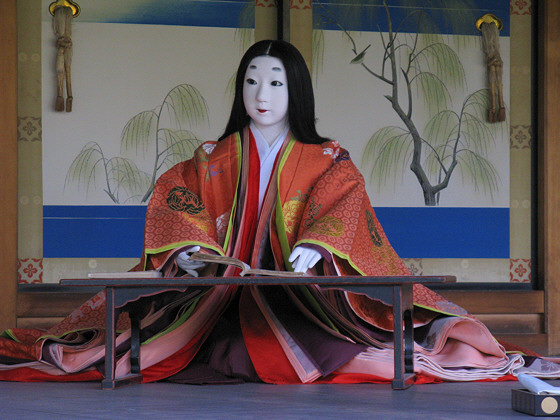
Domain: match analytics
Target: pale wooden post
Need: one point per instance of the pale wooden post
(301, 28)
(8, 164)
(549, 161)
(265, 20)
(297, 25)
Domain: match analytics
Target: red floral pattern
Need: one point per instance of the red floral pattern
(30, 270)
(265, 3)
(300, 4)
(520, 270)
(520, 7)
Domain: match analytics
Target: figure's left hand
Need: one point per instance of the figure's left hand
(304, 258)
(188, 265)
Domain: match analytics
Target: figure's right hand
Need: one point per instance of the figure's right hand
(303, 258)
(184, 262)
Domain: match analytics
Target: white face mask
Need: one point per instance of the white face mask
(265, 95)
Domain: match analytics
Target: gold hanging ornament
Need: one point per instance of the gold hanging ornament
(63, 12)
(490, 26)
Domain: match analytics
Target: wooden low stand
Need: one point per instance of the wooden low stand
(121, 293)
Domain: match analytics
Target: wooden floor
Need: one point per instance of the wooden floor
(249, 401)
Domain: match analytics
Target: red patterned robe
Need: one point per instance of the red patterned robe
(316, 196)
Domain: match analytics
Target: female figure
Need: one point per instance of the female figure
(275, 194)
(282, 204)
(270, 99)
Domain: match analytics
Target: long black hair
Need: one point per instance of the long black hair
(301, 102)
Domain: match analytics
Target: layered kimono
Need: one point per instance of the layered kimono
(278, 334)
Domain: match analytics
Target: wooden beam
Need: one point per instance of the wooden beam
(49, 304)
(549, 175)
(535, 342)
(8, 166)
(513, 323)
(41, 322)
(497, 301)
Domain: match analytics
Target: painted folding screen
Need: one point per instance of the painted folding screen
(152, 80)
(403, 84)
(98, 162)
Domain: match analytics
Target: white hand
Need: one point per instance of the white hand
(304, 257)
(184, 261)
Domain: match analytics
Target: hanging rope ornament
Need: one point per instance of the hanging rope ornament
(63, 12)
(490, 26)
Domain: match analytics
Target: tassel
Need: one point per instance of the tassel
(490, 26)
(59, 106)
(63, 11)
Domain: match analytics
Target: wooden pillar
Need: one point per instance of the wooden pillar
(298, 27)
(549, 159)
(8, 164)
(265, 20)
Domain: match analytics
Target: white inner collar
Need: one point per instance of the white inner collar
(267, 156)
(262, 145)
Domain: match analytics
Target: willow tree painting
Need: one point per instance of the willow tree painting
(155, 140)
(421, 73)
